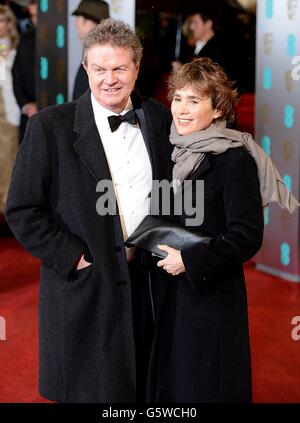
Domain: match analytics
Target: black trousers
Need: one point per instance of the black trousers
(143, 320)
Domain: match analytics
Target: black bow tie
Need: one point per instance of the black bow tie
(116, 120)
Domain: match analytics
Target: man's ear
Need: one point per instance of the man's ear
(137, 66)
(84, 65)
(209, 24)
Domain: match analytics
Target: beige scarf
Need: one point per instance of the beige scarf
(190, 150)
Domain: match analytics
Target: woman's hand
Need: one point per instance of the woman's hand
(173, 263)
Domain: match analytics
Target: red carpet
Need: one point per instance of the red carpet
(272, 305)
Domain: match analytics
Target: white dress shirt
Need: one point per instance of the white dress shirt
(199, 46)
(129, 165)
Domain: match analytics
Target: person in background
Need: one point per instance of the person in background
(9, 110)
(24, 71)
(203, 24)
(89, 13)
(20, 10)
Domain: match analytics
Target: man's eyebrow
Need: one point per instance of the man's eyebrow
(100, 67)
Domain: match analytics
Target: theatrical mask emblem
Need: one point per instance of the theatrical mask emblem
(116, 5)
(59, 71)
(265, 114)
(292, 6)
(59, 6)
(288, 81)
(44, 34)
(44, 100)
(284, 219)
(268, 43)
(287, 150)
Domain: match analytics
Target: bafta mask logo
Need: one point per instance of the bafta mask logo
(268, 43)
(44, 99)
(285, 220)
(44, 34)
(295, 74)
(116, 5)
(288, 81)
(292, 6)
(287, 150)
(59, 71)
(265, 114)
(60, 7)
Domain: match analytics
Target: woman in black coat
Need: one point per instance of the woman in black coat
(202, 351)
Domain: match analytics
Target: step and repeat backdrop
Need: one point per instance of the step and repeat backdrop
(277, 100)
(278, 126)
(59, 49)
(52, 52)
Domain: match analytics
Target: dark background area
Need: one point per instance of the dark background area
(157, 22)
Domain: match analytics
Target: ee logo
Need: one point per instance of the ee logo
(60, 36)
(269, 9)
(266, 144)
(44, 68)
(44, 6)
(291, 45)
(289, 116)
(267, 78)
(285, 256)
(287, 179)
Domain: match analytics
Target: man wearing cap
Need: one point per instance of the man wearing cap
(89, 13)
(97, 308)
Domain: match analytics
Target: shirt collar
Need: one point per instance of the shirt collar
(199, 46)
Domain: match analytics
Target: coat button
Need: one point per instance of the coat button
(117, 249)
(121, 283)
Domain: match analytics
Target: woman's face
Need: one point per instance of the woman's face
(5, 26)
(191, 112)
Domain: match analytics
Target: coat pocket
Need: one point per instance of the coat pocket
(80, 276)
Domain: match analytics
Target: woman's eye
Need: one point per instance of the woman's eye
(176, 100)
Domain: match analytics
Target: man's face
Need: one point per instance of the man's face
(112, 74)
(32, 8)
(198, 27)
(83, 26)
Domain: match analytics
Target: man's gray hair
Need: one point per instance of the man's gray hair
(115, 33)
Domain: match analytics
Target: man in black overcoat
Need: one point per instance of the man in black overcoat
(95, 315)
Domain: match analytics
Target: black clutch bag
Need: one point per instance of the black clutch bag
(154, 230)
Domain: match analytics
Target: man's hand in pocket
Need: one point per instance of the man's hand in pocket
(82, 263)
